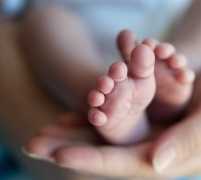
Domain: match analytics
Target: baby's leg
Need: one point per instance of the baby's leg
(61, 52)
(24, 108)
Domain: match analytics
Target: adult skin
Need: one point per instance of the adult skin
(23, 105)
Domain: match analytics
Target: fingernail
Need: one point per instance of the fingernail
(164, 158)
(35, 156)
(31, 155)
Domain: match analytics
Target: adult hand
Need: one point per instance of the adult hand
(176, 152)
(62, 143)
(24, 102)
(70, 143)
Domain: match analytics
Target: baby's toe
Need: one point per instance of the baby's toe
(97, 117)
(164, 51)
(142, 62)
(118, 71)
(152, 43)
(105, 84)
(126, 43)
(177, 61)
(185, 76)
(96, 98)
(178, 64)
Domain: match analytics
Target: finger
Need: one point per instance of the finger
(178, 151)
(106, 161)
(53, 137)
(42, 147)
(62, 133)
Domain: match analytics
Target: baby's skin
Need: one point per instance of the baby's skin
(150, 72)
(121, 96)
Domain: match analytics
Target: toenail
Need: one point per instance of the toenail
(152, 43)
(105, 84)
(97, 118)
(186, 76)
(118, 71)
(143, 52)
(190, 76)
(96, 98)
(178, 61)
(164, 50)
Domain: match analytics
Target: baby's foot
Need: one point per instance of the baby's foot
(118, 102)
(174, 82)
(173, 78)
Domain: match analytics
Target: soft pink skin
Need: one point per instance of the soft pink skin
(56, 144)
(187, 136)
(126, 98)
(69, 143)
(171, 75)
(173, 78)
(174, 82)
(126, 44)
(105, 84)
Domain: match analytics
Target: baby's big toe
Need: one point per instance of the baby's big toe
(142, 62)
(126, 43)
(97, 117)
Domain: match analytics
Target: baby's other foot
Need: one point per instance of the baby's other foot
(174, 81)
(118, 102)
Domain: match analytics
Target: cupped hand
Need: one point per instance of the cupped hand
(71, 143)
(178, 150)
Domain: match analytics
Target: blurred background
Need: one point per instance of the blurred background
(10, 167)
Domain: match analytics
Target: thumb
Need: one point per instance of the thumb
(178, 151)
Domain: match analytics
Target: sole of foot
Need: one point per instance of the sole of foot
(118, 102)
